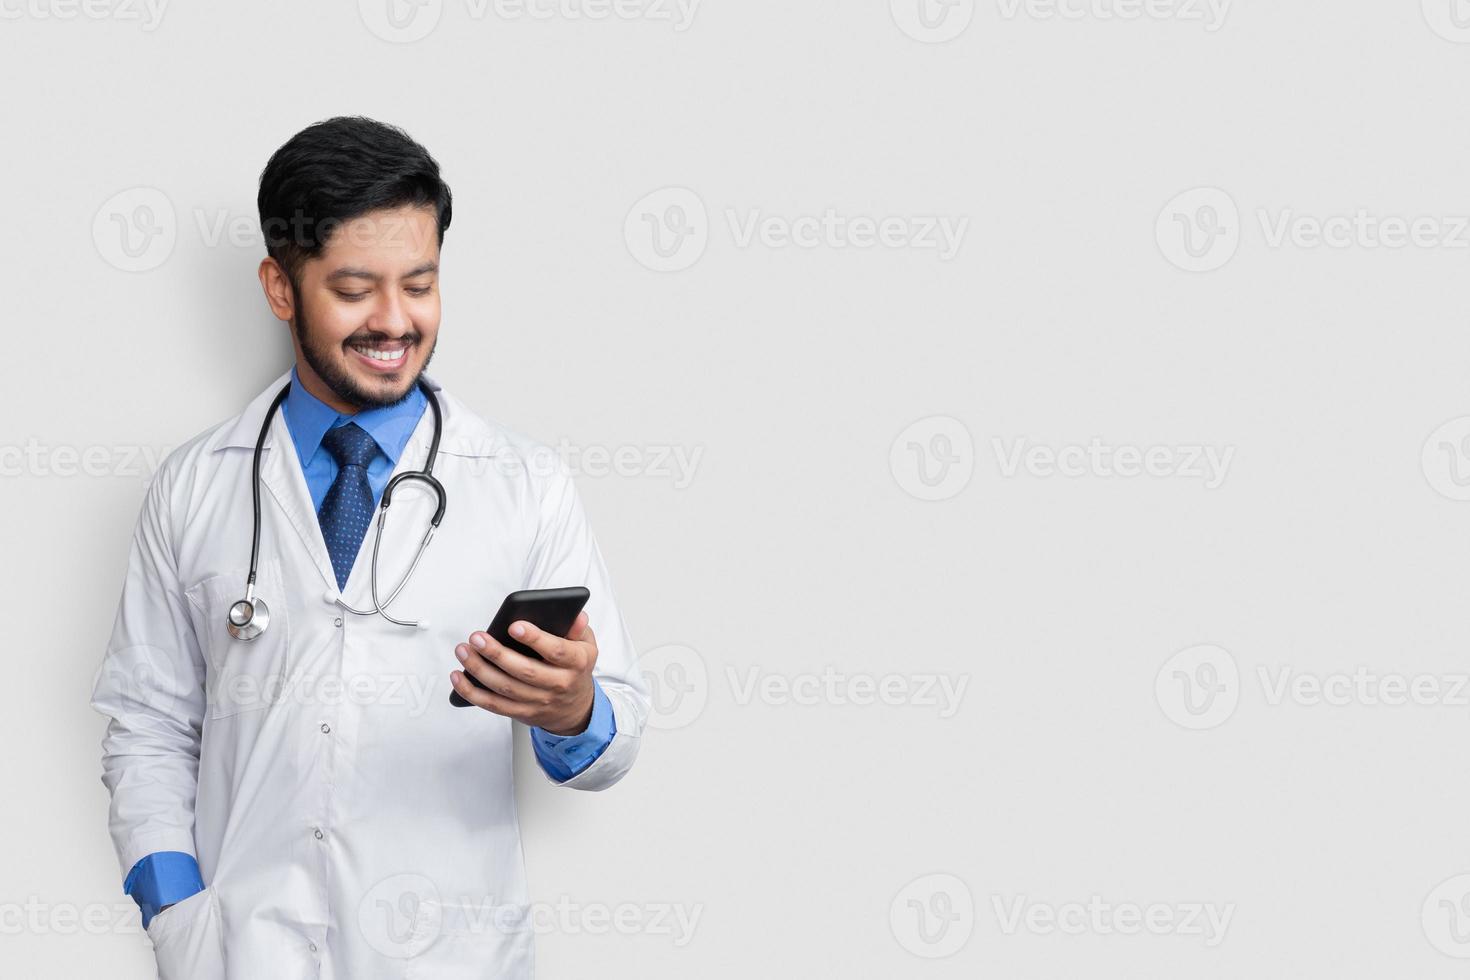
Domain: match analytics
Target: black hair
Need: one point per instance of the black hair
(337, 170)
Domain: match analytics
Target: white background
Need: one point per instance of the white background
(1085, 762)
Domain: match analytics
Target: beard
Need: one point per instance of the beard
(324, 360)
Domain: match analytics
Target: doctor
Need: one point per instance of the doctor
(307, 803)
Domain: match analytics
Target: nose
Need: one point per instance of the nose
(389, 315)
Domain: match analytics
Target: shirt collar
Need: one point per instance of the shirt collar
(308, 418)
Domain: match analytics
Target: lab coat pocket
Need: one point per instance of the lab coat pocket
(472, 941)
(242, 675)
(188, 939)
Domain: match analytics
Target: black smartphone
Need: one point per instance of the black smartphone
(550, 610)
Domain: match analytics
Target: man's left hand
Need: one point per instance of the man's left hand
(553, 694)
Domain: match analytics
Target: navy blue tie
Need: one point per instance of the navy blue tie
(347, 509)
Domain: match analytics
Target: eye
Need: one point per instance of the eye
(420, 290)
(351, 297)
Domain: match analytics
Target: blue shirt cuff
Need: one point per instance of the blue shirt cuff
(564, 756)
(162, 878)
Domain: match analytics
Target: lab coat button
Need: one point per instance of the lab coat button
(326, 728)
(337, 621)
(313, 947)
(317, 833)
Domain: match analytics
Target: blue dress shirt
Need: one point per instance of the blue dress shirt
(165, 877)
(162, 878)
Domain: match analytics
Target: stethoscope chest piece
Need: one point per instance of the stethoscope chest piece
(248, 618)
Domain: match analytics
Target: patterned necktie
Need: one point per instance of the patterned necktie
(347, 509)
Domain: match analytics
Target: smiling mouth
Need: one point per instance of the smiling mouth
(383, 356)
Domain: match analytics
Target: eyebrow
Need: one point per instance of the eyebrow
(352, 272)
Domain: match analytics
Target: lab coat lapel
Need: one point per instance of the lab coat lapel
(281, 473)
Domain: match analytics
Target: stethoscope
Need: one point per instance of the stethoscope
(249, 617)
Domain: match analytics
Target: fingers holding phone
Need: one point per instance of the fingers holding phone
(568, 651)
(540, 675)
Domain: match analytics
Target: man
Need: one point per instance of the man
(307, 802)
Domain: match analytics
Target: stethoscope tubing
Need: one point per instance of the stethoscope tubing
(242, 622)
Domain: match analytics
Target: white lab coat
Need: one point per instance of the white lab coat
(349, 823)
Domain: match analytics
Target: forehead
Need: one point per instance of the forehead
(387, 238)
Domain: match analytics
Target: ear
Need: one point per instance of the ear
(277, 288)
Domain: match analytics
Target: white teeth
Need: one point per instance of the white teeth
(382, 355)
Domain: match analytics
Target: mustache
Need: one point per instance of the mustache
(375, 339)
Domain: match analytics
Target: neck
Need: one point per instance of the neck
(314, 384)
